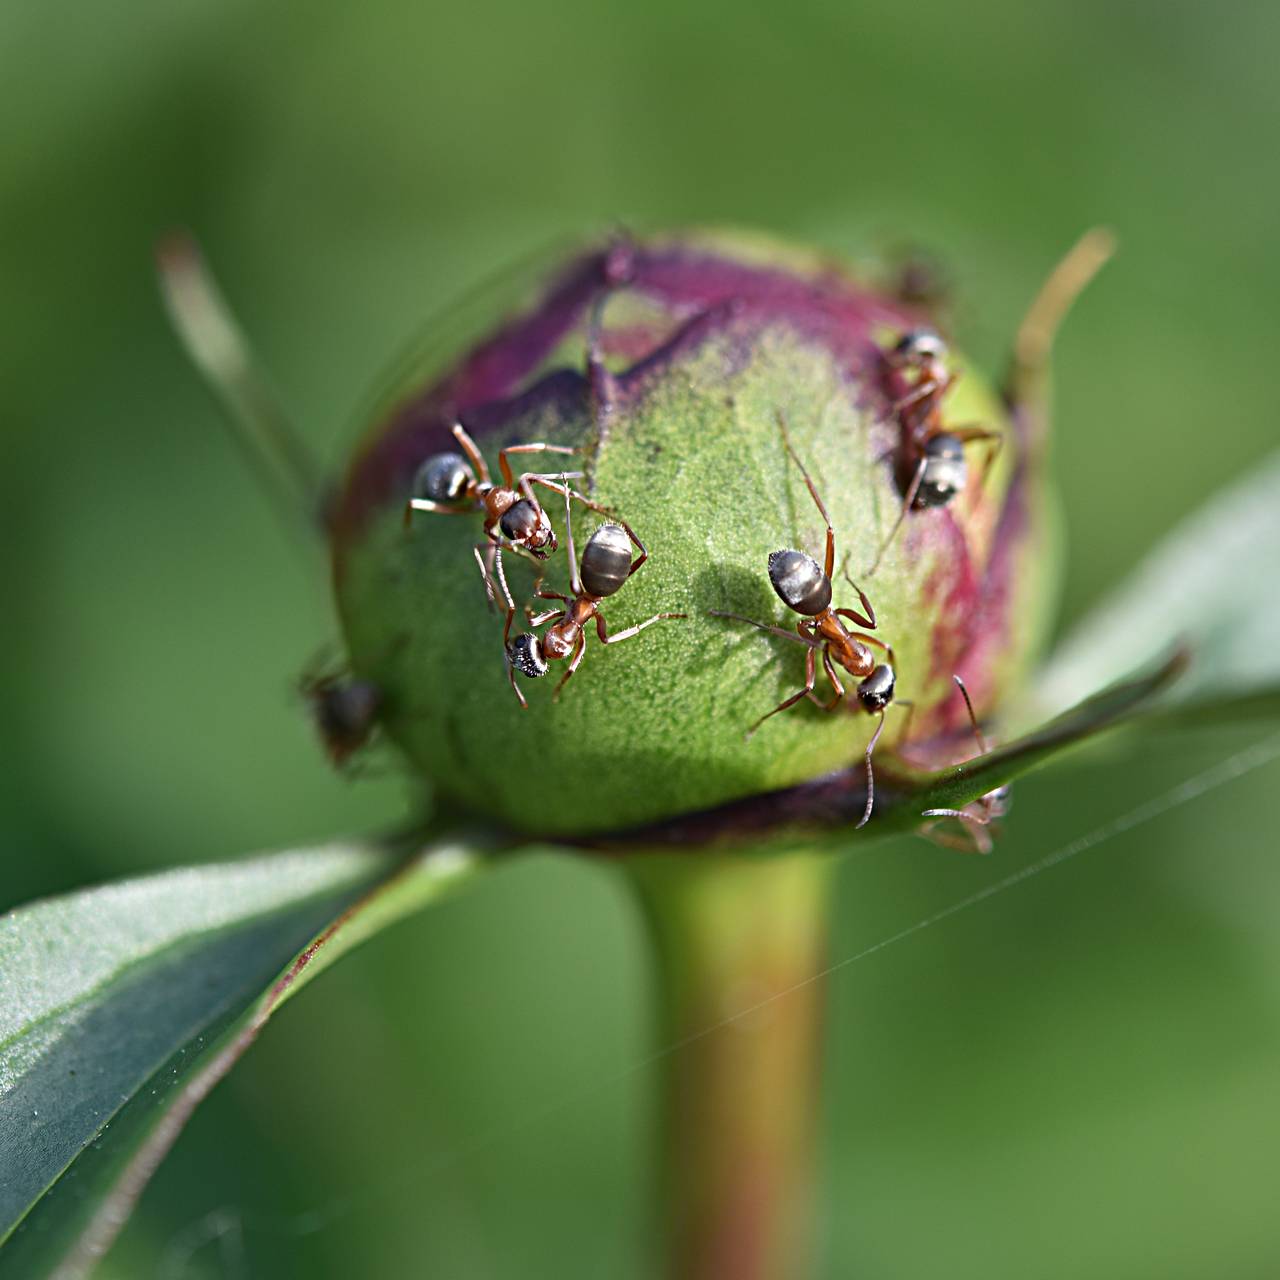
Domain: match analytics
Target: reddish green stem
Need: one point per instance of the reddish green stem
(739, 941)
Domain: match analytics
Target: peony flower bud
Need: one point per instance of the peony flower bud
(676, 369)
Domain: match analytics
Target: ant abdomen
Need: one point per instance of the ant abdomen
(945, 471)
(606, 561)
(800, 582)
(443, 478)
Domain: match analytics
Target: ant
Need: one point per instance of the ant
(451, 484)
(933, 456)
(977, 816)
(805, 588)
(345, 710)
(606, 565)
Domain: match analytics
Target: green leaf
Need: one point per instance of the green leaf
(954, 787)
(1209, 585)
(122, 1006)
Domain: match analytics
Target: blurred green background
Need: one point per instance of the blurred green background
(1081, 1076)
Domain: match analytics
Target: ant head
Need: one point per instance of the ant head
(876, 691)
(525, 524)
(800, 583)
(945, 471)
(524, 653)
(444, 477)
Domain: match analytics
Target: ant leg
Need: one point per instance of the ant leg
(981, 820)
(966, 435)
(506, 640)
(1024, 390)
(907, 502)
(425, 504)
(542, 594)
(762, 626)
(810, 677)
(537, 619)
(923, 390)
(578, 650)
(515, 688)
(983, 748)
(540, 447)
(970, 839)
(994, 441)
(829, 668)
(474, 456)
(871, 777)
(505, 467)
(911, 715)
(975, 434)
(644, 554)
(538, 477)
(485, 571)
(870, 620)
(605, 638)
(528, 479)
(531, 478)
(506, 634)
(813, 492)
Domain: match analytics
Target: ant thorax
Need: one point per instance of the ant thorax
(561, 637)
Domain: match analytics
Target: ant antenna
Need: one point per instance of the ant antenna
(912, 489)
(219, 349)
(871, 777)
(973, 719)
(575, 582)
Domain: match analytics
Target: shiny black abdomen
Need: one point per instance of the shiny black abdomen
(606, 560)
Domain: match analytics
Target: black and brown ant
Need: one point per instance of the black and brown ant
(453, 484)
(805, 588)
(930, 456)
(345, 710)
(977, 817)
(606, 564)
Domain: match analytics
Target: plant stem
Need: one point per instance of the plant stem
(739, 940)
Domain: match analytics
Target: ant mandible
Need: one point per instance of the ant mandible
(805, 588)
(451, 484)
(977, 816)
(916, 372)
(606, 565)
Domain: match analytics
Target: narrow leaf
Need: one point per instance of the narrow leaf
(122, 1006)
(962, 784)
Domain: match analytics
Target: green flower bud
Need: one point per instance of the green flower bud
(705, 347)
